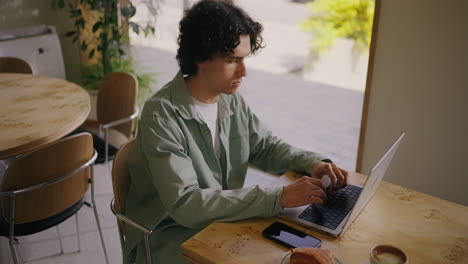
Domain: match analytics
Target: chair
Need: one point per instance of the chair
(43, 188)
(116, 112)
(14, 65)
(120, 179)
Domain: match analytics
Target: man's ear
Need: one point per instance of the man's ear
(201, 66)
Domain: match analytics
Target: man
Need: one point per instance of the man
(197, 136)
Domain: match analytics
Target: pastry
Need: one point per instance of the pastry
(311, 256)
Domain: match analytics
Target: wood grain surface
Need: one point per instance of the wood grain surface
(426, 228)
(36, 110)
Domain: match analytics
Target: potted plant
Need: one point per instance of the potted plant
(101, 29)
(339, 23)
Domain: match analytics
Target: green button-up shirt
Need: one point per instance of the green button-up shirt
(178, 186)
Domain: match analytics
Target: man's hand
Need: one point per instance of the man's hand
(338, 176)
(303, 191)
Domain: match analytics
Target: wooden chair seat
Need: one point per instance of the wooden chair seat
(14, 65)
(116, 138)
(45, 187)
(120, 182)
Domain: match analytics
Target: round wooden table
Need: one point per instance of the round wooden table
(36, 110)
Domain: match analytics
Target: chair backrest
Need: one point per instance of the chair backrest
(14, 65)
(121, 177)
(47, 163)
(116, 100)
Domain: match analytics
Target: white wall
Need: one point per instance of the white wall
(419, 85)
(25, 13)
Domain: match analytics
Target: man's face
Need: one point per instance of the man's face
(224, 74)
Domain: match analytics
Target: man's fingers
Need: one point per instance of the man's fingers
(332, 176)
(317, 183)
(315, 199)
(318, 192)
(345, 173)
(340, 177)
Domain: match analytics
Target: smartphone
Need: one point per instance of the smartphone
(290, 237)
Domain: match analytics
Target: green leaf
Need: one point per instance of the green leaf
(91, 54)
(95, 5)
(96, 26)
(75, 12)
(135, 27)
(115, 33)
(149, 30)
(113, 19)
(57, 4)
(61, 4)
(84, 46)
(80, 23)
(70, 33)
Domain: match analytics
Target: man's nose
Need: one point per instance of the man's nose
(241, 70)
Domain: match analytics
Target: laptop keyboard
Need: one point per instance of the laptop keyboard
(334, 210)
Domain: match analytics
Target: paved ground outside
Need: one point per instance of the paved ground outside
(307, 114)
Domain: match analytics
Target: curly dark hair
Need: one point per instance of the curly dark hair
(214, 27)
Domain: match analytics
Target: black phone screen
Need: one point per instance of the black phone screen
(289, 236)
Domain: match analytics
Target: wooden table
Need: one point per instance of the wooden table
(36, 110)
(429, 229)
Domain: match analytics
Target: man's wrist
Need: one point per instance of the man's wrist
(274, 195)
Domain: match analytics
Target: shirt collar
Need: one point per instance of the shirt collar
(223, 106)
(182, 100)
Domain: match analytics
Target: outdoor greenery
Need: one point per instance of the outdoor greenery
(333, 19)
(108, 39)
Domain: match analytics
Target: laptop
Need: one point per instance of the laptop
(343, 206)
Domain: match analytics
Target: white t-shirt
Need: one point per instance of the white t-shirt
(209, 114)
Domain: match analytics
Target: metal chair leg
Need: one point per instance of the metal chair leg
(149, 260)
(11, 236)
(60, 239)
(97, 217)
(77, 232)
(13, 250)
(106, 159)
(100, 233)
(106, 146)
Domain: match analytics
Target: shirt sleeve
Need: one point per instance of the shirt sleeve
(176, 182)
(274, 155)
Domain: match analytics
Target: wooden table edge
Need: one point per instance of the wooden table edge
(15, 151)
